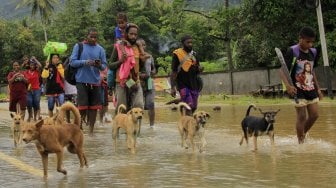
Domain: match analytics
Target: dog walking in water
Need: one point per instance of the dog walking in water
(53, 137)
(190, 126)
(17, 125)
(257, 126)
(129, 122)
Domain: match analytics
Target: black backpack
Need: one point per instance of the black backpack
(69, 71)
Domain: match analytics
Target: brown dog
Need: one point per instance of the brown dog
(190, 126)
(130, 122)
(52, 138)
(17, 125)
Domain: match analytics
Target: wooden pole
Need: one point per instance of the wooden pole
(326, 67)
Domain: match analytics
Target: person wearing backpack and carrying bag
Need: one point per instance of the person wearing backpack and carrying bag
(300, 60)
(92, 60)
(185, 73)
(53, 73)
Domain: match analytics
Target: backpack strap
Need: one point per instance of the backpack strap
(186, 57)
(296, 53)
(80, 50)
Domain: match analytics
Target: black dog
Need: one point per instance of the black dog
(257, 126)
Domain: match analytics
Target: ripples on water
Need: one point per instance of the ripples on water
(161, 162)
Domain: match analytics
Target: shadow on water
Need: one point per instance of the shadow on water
(161, 162)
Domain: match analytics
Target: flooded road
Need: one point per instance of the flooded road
(161, 162)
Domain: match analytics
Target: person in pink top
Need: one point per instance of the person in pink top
(34, 90)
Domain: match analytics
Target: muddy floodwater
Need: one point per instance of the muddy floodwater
(161, 162)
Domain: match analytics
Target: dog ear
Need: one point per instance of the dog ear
(39, 124)
(129, 112)
(12, 115)
(277, 111)
(195, 116)
(207, 115)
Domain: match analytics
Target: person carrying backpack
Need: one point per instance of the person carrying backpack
(88, 82)
(300, 60)
(53, 73)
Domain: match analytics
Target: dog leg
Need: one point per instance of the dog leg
(60, 163)
(241, 140)
(129, 136)
(203, 143)
(115, 133)
(255, 143)
(184, 137)
(44, 163)
(20, 137)
(81, 157)
(85, 160)
(271, 135)
(15, 137)
(130, 142)
(191, 139)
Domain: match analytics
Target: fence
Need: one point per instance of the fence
(236, 82)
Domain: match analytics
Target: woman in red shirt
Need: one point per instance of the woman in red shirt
(17, 89)
(34, 91)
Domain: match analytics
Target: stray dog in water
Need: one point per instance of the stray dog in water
(52, 138)
(257, 126)
(190, 126)
(17, 125)
(130, 122)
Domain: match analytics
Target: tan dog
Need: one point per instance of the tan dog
(130, 122)
(52, 138)
(190, 126)
(17, 125)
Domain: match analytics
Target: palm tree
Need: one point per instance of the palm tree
(44, 7)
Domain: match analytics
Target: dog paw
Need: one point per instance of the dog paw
(62, 171)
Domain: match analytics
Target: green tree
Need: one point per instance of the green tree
(71, 24)
(16, 40)
(45, 9)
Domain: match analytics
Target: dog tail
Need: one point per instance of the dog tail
(174, 101)
(70, 106)
(182, 106)
(121, 108)
(249, 109)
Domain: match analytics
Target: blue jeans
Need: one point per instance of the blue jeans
(33, 99)
(52, 100)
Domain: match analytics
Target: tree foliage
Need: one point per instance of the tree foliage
(253, 29)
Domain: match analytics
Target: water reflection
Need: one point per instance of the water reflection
(161, 162)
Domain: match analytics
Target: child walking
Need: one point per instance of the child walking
(308, 93)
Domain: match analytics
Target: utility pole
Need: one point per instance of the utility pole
(326, 67)
(227, 42)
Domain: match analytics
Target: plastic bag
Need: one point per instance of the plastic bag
(54, 48)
